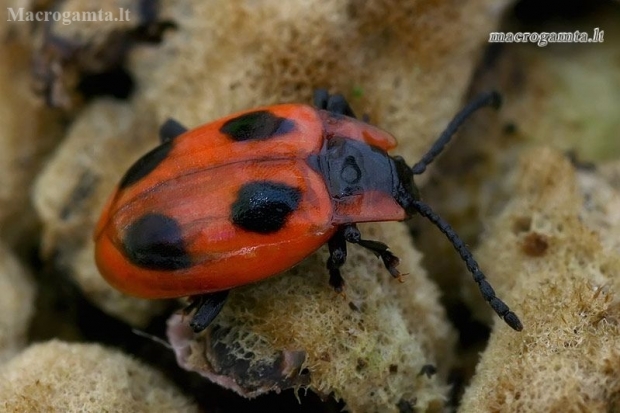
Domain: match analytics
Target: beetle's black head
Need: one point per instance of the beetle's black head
(405, 191)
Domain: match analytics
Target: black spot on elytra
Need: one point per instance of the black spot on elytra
(264, 206)
(145, 165)
(155, 242)
(257, 125)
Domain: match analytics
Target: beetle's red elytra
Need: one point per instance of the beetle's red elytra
(251, 195)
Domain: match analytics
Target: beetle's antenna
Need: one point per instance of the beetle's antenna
(492, 99)
(485, 288)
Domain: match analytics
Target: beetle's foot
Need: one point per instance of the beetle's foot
(208, 306)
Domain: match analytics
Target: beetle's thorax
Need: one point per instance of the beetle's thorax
(365, 183)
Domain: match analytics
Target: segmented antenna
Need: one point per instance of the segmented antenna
(485, 99)
(485, 288)
(492, 99)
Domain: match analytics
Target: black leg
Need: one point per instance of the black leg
(320, 98)
(381, 250)
(170, 130)
(207, 306)
(428, 370)
(338, 104)
(333, 103)
(337, 257)
(578, 163)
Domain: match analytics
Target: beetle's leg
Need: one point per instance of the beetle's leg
(208, 307)
(353, 235)
(333, 103)
(170, 130)
(578, 163)
(337, 256)
(338, 104)
(428, 369)
(320, 98)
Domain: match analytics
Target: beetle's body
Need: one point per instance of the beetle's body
(168, 230)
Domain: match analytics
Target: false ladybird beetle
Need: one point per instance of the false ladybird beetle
(251, 195)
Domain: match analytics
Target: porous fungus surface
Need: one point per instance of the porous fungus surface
(17, 294)
(367, 348)
(552, 252)
(61, 377)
